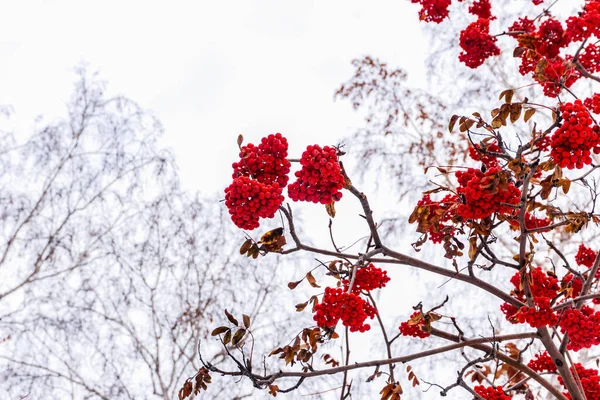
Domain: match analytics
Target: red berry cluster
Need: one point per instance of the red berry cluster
(590, 381)
(414, 329)
(265, 163)
(544, 288)
(542, 363)
(433, 10)
(585, 256)
(485, 193)
(438, 213)
(550, 38)
(482, 9)
(540, 54)
(249, 200)
(571, 287)
(320, 179)
(593, 103)
(573, 142)
(350, 308)
(538, 316)
(582, 326)
(586, 24)
(477, 43)
(554, 74)
(589, 58)
(478, 153)
(490, 393)
(531, 222)
(367, 279)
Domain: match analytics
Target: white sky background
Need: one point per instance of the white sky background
(209, 70)
(212, 70)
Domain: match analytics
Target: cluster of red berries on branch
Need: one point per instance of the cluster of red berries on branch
(554, 74)
(477, 43)
(485, 193)
(490, 393)
(576, 138)
(435, 215)
(482, 9)
(589, 58)
(367, 279)
(480, 152)
(266, 163)
(414, 326)
(339, 305)
(590, 381)
(531, 222)
(571, 287)
(544, 288)
(540, 41)
(258, 180)
(582, 326)
(433, 10)
(538, 316)
(593, 103)
(542, 363)
(586, 257)
(320, 179)
(249, 200)
(586, 24)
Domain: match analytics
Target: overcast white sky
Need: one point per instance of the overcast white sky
(209, 70)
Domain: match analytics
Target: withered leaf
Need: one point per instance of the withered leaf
(186, 390)
(472, 247)
(246, 246)
(246, 319)
(453, 120)
(238, 336)
(301, 306)
(311, 279)
(227, 337)
(330, 208)
(518, 51)
(273, 389)
(528, 114)
(219, 330)
(292, 285)
(515, 112)
(231, 318)
(508, 95)
(240, 140)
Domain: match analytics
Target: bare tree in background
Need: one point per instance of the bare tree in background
(110, 273)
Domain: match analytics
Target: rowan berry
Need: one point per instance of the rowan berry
(490, 393)
(367, 279)
(266, 163)
(414, 326)
(477, 43)
(573, 142)
(350, 308)
(248, 200)
(433, 10)
(482, 9)
(436, 214)
(320, 179)
(585, 256)
(542, 363)
(593, 103)
(484, 194)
